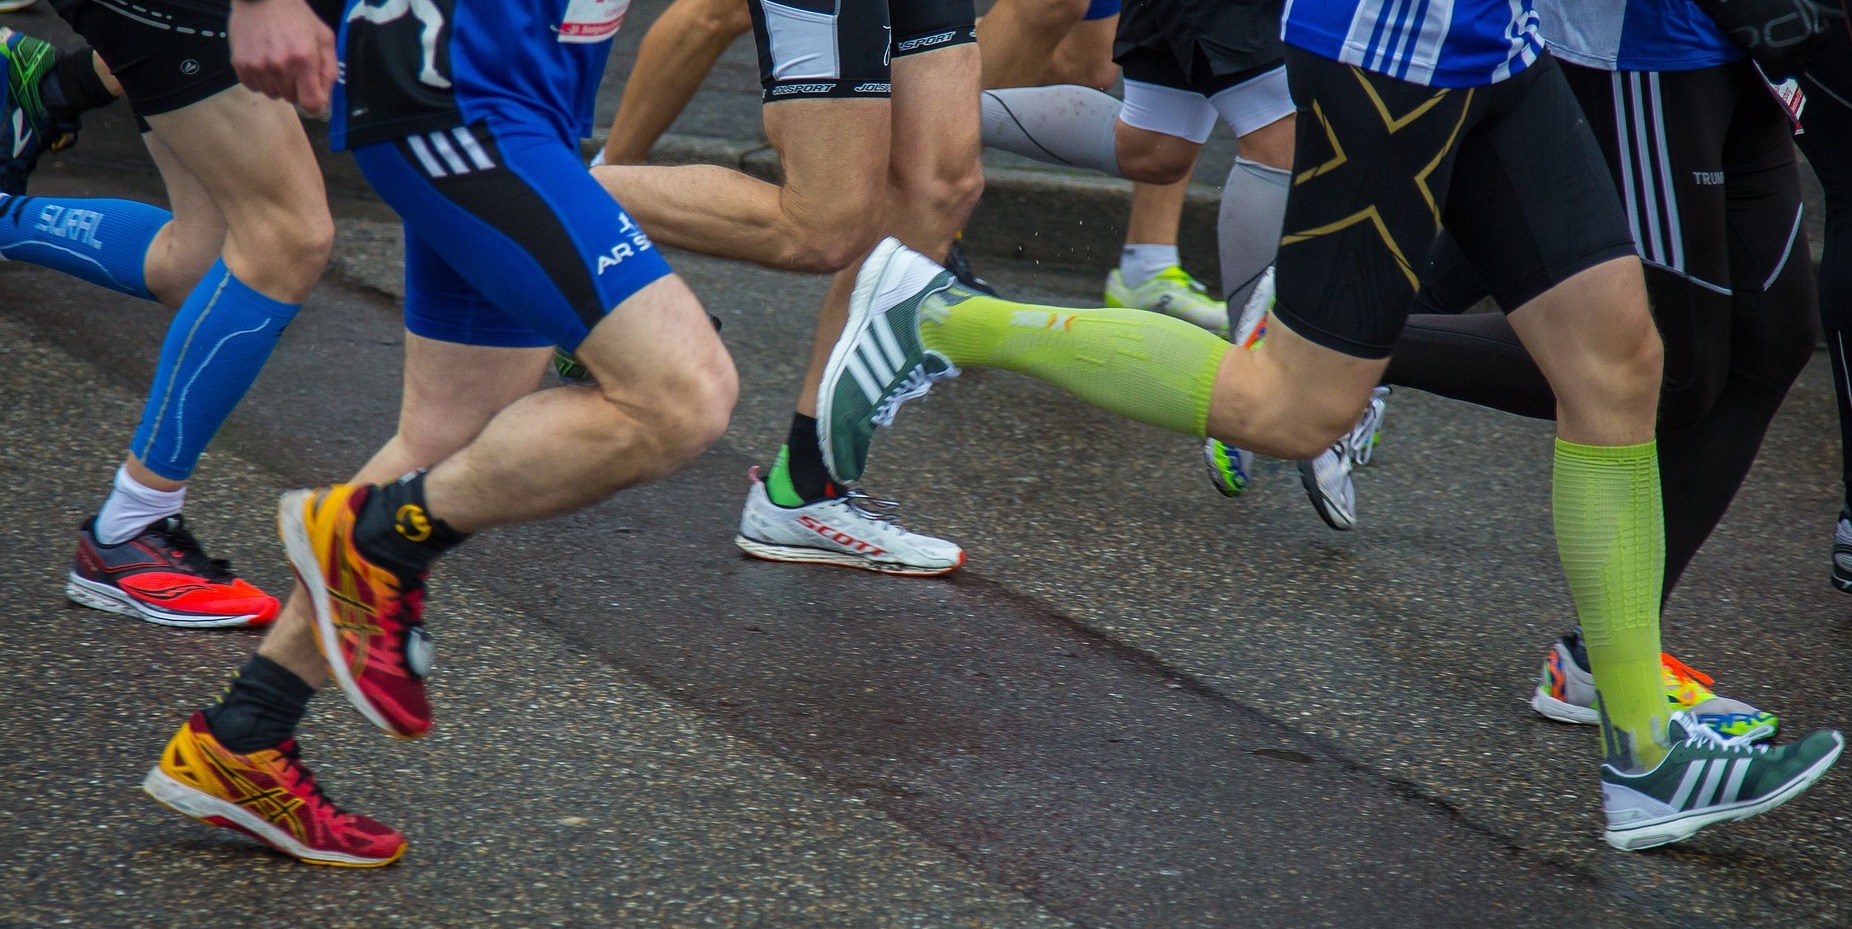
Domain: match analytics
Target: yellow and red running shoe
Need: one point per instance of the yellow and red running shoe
(269, 796)
(369, 621)
(1566, 693)
(163, 576)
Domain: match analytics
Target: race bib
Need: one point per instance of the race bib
(589, 21)
(1789, 94)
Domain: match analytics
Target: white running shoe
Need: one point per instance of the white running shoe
(1327, 478)
(1252, 326)
(1173, 292)
(854, 531)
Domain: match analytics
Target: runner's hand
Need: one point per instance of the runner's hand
(281, 49)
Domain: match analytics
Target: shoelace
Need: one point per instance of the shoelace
(915, 384)
(1357, 443)
(872, 508)
(180, 543)
(1684, 672)
(1702, 736)
(299, 774)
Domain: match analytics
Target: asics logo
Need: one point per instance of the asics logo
(840, 537)
(412, 522)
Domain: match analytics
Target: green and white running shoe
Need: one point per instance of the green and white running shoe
(1708, 779)
(879, 361)
(1228, 467)
(26, 127)
(1173, 292)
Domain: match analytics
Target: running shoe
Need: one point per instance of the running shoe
(164, 577)
(1251, 328)
(1566, 693)
(1173, 292)
(854, 530)
(369, 621)
(570, 369)
(26, 128)
(1707, 779)
(267, 795)
(1327, 478)
(960, 266)
(1842, 550)
(14, 6)
(1229, 467)
(879, 361)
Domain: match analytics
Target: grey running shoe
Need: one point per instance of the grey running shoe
(854, 530)
(1229, 467)
(1842, 551)
(1708, 779)
(879, 361)
(1566, 693)
(1327, 478)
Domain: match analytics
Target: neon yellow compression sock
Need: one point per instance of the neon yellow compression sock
(1610, 534)
(1138, 364)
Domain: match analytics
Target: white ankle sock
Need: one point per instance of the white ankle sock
(1140, 263)
(132, 507)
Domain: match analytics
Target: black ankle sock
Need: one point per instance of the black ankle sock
(809, 477)
(395, 529)
(261, 707)
(71, 88)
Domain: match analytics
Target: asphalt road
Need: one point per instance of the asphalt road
(1140, 705)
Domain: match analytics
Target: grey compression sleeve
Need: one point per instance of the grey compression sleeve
(1064, 124)
(1248, 226)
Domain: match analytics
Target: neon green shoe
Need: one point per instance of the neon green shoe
(1173, 292)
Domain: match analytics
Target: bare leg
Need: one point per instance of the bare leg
(1019, 37)
(819, 220)
(676, 55)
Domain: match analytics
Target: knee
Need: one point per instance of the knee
(725, 21)
(1156, 164)
(947, 191)
(682, 419)
(826, 245)
(294, 254)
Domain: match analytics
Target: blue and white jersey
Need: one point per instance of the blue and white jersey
(1442, 43)
(416, 66)
(1635, 35)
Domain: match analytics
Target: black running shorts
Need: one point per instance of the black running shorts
(1379, 164)
(167, 53)
(812, 49)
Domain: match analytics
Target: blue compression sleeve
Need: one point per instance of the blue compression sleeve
(101, 241)
(214, 348)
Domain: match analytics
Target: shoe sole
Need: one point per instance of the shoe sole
(110, 599)
(213, 811)
(1332, 516)
(303, 560)
(1677, 829)
(1841, 580)
(1561, 711)
(860, 302)
(802, 555)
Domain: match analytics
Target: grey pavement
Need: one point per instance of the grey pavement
(1139, 705)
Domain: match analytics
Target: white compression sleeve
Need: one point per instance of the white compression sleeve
(1064, 124)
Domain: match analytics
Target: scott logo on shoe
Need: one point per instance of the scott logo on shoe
(840, 537)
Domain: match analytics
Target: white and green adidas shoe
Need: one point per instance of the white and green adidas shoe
(1173, 292)
(1708, 779)
(879, 361)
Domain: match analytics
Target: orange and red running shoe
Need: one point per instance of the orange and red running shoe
(368, 619)
(269, 796)
(163, 576)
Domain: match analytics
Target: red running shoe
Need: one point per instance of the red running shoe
(163, 576)
(269, 796)
(368, 620)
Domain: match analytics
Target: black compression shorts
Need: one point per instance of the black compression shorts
(811, 49)
(167, 53)
(1380, 163)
